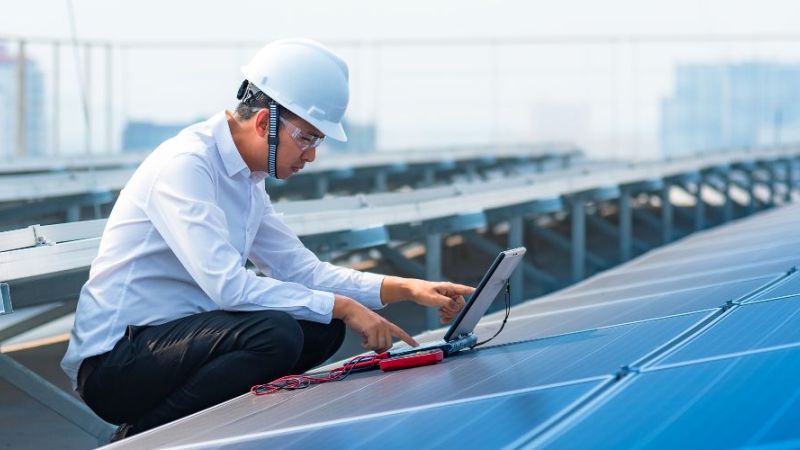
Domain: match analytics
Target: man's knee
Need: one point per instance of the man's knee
(277, 333)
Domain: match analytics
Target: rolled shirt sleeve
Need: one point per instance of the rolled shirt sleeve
(277, 250)
(182, 208)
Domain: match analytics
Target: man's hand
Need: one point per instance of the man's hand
(376, 332)
(448, 297)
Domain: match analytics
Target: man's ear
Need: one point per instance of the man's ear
(262, 122)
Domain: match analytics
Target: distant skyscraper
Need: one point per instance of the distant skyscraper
(35, 127)
(723, 106)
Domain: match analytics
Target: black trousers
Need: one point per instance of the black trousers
(156, 374)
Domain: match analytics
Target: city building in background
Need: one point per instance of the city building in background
(144, 136)
(34, 106)
(361, 137)
(716, 106)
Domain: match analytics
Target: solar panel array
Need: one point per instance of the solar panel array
(694, 345)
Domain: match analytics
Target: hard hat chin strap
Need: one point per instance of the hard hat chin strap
(272, 140)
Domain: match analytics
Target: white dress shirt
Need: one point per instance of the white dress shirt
(176, 244)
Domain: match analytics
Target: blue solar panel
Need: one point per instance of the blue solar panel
(749, 327)
(491, 371)
(790, 286)
(701, 262)
(675, 301)
(435, 426)
(714, 272)
(742, 401)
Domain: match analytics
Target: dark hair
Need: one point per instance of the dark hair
(251, 97)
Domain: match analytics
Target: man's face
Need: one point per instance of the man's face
(291, 157)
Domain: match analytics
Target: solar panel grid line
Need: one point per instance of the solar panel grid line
(725, 311)
(629, 373)
(720, 357)
(752, 326)
(705, 405)
(537, 438)
(788, 287)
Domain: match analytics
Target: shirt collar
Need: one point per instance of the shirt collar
(227, 148)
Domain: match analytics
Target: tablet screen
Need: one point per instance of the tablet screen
(493, 282)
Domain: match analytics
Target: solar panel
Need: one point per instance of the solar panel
(684, 274)
(435, 426)
(681, 298)
(742, 401)
(749, 327)
(790, 286)
(496, 370)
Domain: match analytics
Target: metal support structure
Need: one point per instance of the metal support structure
(429, 176)
(667, 214)
(578, 233)
(752, 204)
(727, 207)
(40, 319)
(699, 206)
(565, 244)
(625, 218)
(54, 398)
(615, 232)
(488, 247)
(772, 182)
(381, 181)
(5, 299)
(56, 139)
(109, 105)
(396, 258)
(322, 185)
(22, 101)
(788, 180)
(433, 271)
(87, 82)
(74, 213)
(516, 238)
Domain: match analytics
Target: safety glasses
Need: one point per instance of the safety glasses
(306, 141)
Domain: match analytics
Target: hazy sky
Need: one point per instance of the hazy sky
(255, 20)
(605, 97)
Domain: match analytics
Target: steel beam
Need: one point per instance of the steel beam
(5, 299)
(667, 214)
(54, 398)
(396, 258)
(565, 244)
(433, 272)
(40, 319)
(529, 270)
(578, 234)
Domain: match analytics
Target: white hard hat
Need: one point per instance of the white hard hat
(306, 78)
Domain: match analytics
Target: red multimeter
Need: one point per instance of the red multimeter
(424, 358)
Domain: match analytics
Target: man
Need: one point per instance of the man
(170, 322)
